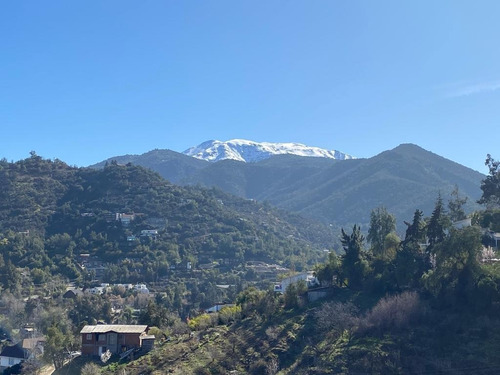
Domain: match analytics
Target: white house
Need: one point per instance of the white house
(218, 307)
(97, 290)
(308, 277)
(12, 355)
(125, 219)
(141, 288)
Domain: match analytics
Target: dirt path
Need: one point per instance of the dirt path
(47, 370)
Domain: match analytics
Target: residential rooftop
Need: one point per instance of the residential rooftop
(118, 328)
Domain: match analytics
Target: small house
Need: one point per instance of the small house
(218, 307)
(141, 288)
(308, 277)
(73, 293)
(125, 219)
(34, 346)
(149, 233)
(117, 338)
(97, 290)
(12, 355)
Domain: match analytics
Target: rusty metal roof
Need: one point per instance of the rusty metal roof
(118, 328)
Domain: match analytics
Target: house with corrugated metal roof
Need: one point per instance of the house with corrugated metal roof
(117, 338)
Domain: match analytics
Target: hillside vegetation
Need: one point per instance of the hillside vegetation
(426, 304)
(51, 214)
(337, 192)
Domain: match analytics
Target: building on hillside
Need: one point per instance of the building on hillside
(34, 346)
(12, 355)
(218, 307)
(318, 293)
(73, 293)
(116, 338)
(96, 290)
(149, 233)
(264, 269)
(308, 277)
(125, 219)
(494, 239)
(141, 288)
(27, 330)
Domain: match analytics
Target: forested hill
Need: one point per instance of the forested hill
(173, 166)
(50, 213)
(342, 192)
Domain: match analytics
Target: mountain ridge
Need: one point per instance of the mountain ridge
(339, 192)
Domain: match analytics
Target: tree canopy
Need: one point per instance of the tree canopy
(491, 184)
(382, 223)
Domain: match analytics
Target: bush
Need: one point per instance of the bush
(156, 332)
(229, 314)
(91, 369)
(202, 371)
(294, 294)
(394, 312)
(203, 321)
(336, 317)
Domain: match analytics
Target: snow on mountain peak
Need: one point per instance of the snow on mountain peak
(249, 151)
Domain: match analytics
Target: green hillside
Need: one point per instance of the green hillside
(51, 213)
(335, 192)
(172, 165)
(431, 306)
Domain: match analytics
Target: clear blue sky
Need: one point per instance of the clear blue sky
(86, 80)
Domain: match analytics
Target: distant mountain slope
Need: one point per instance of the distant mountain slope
(341, 192)
(250, 151)
(344, 192)
(402, 179)
(165, 162)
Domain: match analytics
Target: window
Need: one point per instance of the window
(89, 337)
(112, 339)
(102, 337)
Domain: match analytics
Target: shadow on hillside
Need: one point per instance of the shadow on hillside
(75, 366)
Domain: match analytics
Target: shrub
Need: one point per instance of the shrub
(394, 312)
(336, 317)
(91, 369)
(229, 314)
(203, 321)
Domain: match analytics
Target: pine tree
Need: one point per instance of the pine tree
(354, 262)
(438, 223)
(455, 206)
(491, 184)
(411, 262)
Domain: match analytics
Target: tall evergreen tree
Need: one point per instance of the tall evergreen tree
(381, 224)
(354, 262)
(454, 278)
(438, 223)
(491, 184)
(456, 206)
(411, 262)
(415, 232)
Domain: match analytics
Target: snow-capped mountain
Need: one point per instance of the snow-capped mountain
(249, 151)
